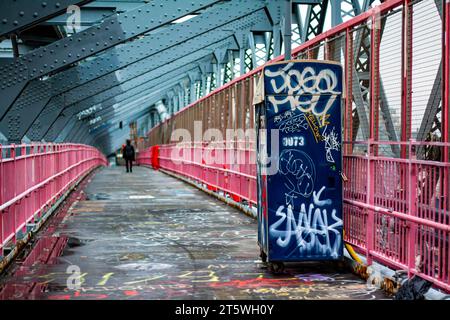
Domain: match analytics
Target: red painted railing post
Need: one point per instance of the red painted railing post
(372, 148)
(12, 210)
(446, 103)
(374, 78)
(412, 208)
(370, 200)
(407, 56)
(446, 80)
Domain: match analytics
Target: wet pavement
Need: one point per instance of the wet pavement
(147, 235)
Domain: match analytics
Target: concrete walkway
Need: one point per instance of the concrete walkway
(147, 235)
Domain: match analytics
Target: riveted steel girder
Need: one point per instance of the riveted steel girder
(143, 81)
(164, 57)
(89, 15)
(151, 91)
(214, 18)
(111, 32)
(17, 15)
(139, 100)
(130, 105)
(140, 55)
(315, 20)
(108, 127)
(110, 98)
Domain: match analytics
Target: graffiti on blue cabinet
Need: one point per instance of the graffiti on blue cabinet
(304, 196)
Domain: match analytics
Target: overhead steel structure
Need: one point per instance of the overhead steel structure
(110, 63)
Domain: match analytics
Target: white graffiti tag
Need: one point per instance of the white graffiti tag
(331, 143)
(298, 172)
(304, 89)
(312, 230)
(295, 124)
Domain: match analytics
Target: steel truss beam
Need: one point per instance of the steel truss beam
(315, 20)
(109, 33)
(144, 56)
(148, 76)
(17, 15)
(141, 78)
(110, 97)
(127, 103)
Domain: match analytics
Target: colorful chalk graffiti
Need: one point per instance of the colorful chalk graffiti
(198, 252)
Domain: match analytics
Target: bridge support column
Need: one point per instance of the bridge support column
(242, 61)
(288, 30)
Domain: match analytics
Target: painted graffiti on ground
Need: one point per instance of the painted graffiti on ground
(311, 230)
(304, 89)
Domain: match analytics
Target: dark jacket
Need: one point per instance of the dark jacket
(128, 153)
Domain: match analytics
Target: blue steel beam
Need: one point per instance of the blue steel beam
(111, 32)
(126, 109)
(104, 129)
(112, 140)
(144, 56)
(134, 106)
(133, 93)
(162, 58)
(13, 125)
(315, 20)
(142, 100)
(111, 98)
(131, 103)
(17, 15)
(88, 16)
(131, 81)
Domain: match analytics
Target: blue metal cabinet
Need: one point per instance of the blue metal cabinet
(300, 161)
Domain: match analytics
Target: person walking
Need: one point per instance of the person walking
(129, 156)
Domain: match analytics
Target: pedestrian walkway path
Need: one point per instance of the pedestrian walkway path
(146, 235)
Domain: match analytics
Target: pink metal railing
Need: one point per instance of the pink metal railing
(149, 157)
(33, 177)
(212, 166)
(144, 157)
(395, 210)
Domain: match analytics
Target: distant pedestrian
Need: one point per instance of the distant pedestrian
(129, 156)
